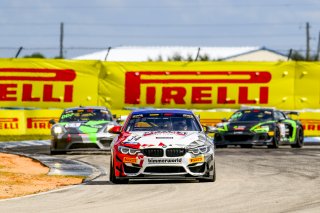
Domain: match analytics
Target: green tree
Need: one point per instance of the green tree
(35, 55)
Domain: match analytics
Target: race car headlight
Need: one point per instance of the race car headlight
(263, 128)
(57, 130)
(127, 150)
(109, 126)
(199, 150)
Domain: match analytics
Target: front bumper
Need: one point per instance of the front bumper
(71, 142)
(242, 138)
(166, 167)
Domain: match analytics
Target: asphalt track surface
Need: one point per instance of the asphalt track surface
(248, 180)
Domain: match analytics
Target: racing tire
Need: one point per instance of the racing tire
(299, 139)
(53, 152)
(211, 178)
(275, 139)
(113, 177)
(248, 146)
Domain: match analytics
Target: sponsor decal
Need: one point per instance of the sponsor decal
(239, 128)
(131, 143)
(134, 138)
(165, 132)
(28, 78)
(9, 123)
(39, 123)
(73, 125)
(147, 145)
(129, 160)
(164, 160)
(202, 91)
(198, 159)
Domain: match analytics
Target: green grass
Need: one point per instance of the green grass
(5, 138)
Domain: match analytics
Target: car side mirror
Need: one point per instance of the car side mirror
(115, 130)
(122, 118)
(209, 129)
(52, 121)
(224, 120)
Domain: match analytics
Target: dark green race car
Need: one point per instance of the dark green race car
(82, 128)
(264, 127)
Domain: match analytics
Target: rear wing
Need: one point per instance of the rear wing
(294, 115)
(291, 112)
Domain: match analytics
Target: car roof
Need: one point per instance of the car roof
(148, 111)
(270, 109)
(86, 107)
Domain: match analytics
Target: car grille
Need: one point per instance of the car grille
(152, 152)
(237, 138)
(175, 152)
(197, 169)
(165, 169)
(84, 146)
(71, 130)
(130, 169)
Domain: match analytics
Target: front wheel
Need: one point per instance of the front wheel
(275, 139)
(299, 139)
(112, 176)
(211, 178)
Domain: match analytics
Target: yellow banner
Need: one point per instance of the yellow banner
(48, 83)
(27, 122)
(12, 122)
(54, 83)
(37, 121)
(307, 85)
(197, 85)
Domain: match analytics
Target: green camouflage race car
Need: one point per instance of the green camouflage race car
(264, 127)
(82, 128)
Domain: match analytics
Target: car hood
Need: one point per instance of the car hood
(164, 139)
(84, 127)
(241, 125)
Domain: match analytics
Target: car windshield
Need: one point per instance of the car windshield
(252, 115)
(84, 115)
(163, 122)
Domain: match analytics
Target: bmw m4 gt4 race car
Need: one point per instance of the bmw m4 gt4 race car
(269, 127)
(82, 128)
(161, 144)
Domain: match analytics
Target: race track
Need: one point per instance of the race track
(248, 180)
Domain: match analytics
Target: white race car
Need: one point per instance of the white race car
(82, 128)
(162, 144)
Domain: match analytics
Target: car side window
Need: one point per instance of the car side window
(279, 116)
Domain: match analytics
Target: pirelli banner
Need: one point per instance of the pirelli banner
(48, 83)
(195, 85)
(27, 122)
(203, 85)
